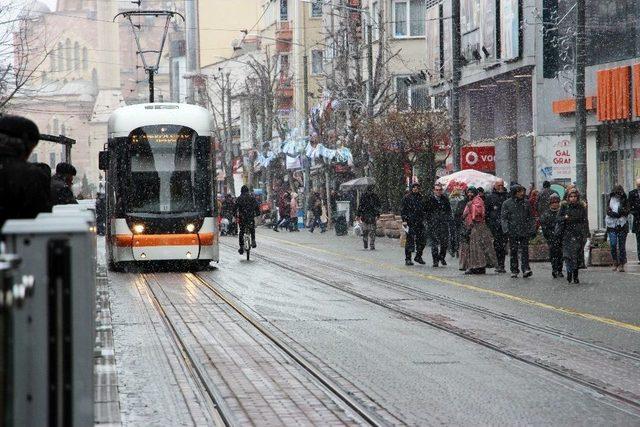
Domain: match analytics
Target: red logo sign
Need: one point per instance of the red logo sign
(478, 158)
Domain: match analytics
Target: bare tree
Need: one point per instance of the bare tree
(23, 50)
(402, 141)
(347, 78)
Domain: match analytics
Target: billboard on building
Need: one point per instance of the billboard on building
(482, 158)
(556, 158)
(509, 29)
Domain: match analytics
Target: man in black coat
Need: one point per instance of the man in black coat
(634, 205)
(24, 187)
(61, 183)
(413, 215)
(517, 221)
(438, 209)
(247, 209)
(493, 205)
(368, 212)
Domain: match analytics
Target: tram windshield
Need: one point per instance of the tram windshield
(169, 170)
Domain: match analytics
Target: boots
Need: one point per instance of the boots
(407, 258)
(575, 277)
(569, 276)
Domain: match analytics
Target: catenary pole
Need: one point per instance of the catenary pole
(307, 161)
(581, 110)
(369, 87)
(455, 82)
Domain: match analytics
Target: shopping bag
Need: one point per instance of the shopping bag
(357, 229)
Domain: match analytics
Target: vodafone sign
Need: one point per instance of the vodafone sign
(478, 158)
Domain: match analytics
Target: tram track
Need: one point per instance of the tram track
(214, 402)
(200, 377)
(335, 390)
(412, 291)
(574, 377)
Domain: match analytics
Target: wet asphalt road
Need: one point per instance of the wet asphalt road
(418, 345)
(422, 375)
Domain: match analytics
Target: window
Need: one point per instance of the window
(316, 62)
(56, 126)
(52, 160)
(63, 129)
(409, 18)
(60, 57)
(375, 21)
(316, 8)
(67, 51)
(85, 59)
(284, 66)
(284, 10)
(76, 56)
(33, 158)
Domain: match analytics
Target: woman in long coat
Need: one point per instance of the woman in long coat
(481, 253)
(573, 226)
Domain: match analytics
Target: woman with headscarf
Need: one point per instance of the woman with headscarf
(618, 226)
(573, 229)
(481, 253)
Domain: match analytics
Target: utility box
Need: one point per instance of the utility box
(344, 208)
(54, 334)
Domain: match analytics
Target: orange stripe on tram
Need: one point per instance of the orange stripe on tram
(128, 240)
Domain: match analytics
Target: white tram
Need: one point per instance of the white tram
(159, 166)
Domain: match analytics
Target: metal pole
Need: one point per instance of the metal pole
(67, 152)
(581, 110)
(230, 137)
(192, 48)
(455, 82)
(151, 89)
(369, 88)
(307, 161)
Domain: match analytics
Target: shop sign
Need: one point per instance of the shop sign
(478, 158)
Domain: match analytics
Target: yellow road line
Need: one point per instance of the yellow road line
(504, 295)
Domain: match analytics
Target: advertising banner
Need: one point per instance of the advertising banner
(481, 158)
(556, 158)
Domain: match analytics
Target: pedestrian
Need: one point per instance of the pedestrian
(618, 226)
(227, 213)
(61, 182)
(293, 215)
(518, 222)
(634, 208)
(101, 213)
(456, 199)
(573, 229)
(318, 211)
(542, 204)
(24, 187)
(493, 204)
(284, 209)
(413, 216)
(481, 254)
(368, 213)
(463, 230)
(548, 223)
(438, 209)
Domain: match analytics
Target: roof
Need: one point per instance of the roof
(125, 119)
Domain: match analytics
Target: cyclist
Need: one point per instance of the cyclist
(246, 209)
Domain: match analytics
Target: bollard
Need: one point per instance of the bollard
(54, 333)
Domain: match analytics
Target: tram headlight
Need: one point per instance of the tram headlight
(138, 228)
(191, 228)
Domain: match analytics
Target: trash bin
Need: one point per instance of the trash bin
(340, 224)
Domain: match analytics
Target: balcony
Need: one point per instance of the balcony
(284, 37)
